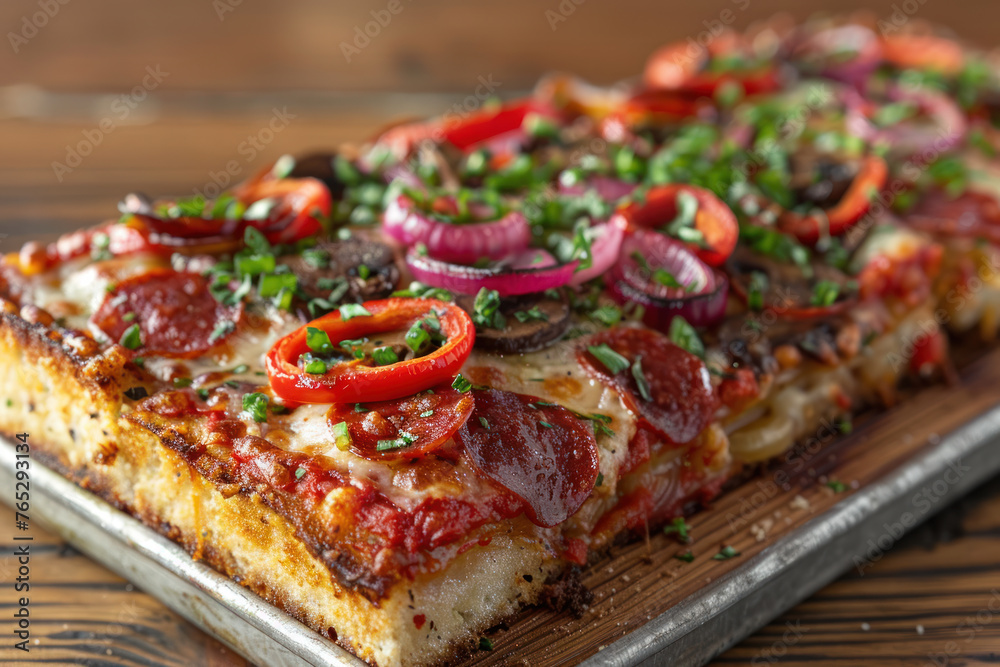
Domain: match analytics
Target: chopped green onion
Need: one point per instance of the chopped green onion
(403, 440)
(341, 436)
(461, 384)
(384, 356)
(318, 340)
(132, 338)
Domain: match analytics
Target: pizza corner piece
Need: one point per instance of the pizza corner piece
(401, 390)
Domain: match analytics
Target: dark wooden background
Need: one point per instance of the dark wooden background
(224, 79)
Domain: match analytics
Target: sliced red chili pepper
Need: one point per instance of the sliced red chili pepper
(652, 108)
(405, 428)
(713, 219)
(923, 52)
(541, 452)
(482, 127)
(810, 228)
(684, 66)
(297, 208)
(357, 380)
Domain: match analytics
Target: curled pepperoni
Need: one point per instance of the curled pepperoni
(678, 382)
(541, 452)
(177, 315)
(403, 428)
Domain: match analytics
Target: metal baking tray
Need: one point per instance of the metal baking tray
(689, 633)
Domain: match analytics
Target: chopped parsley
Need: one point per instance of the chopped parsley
(132, 338)
(825, 293)
(351, 310)
(545, 424)
(485, 424)
(640, 379)
(354, 347)
(485, 644)
(313, 365)
(607, 315)
(318, 341)
(384, 356)
(461, 384)
(686, 557)
(221, 330)
(614, 362)
(427, 413)
(300, 473)
(256, 405)
(756, 289)
(683, 335)
(726, 553)
(182, 382)
(532, 315)
(680, 528)
(599, 480)
(486, 310)
(837, 486)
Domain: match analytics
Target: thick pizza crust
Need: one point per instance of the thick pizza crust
(72, 409)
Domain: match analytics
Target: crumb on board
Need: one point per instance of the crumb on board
(799, 503)
(920, 629)
(866, 627)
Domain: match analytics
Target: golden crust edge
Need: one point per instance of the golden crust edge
(71, 406)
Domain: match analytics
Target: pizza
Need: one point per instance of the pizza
(405, 388)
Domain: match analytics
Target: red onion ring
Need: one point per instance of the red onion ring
(702, 302)
(604, 249)
(458, 243)
(509, 280)
(949, 130)
(822, 45)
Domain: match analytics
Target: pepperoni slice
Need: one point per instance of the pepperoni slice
(972, 214)
(678, 382)
(177, 315)
(541, 452)
(407, 428)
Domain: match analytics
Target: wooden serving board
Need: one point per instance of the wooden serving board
(643, 580)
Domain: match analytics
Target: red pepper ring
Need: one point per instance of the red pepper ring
(808, 229)
(300, 206)
(353, 381)
(683, 66)
(714, 219)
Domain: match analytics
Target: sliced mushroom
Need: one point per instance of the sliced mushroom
(319, 166)
(369, 267)
(545, 320)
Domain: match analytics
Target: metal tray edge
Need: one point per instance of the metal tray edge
(697, 629)
(240, 619)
